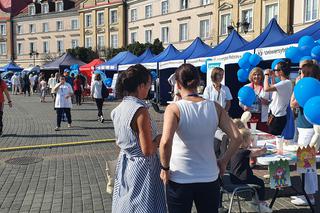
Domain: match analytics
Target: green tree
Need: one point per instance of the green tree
(84, 54)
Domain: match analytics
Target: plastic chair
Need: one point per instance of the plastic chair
(227, 187)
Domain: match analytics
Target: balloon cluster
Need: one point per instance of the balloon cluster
(203, 67)
(246, 96)
(307, 49)
(307, 94)
(246, 63)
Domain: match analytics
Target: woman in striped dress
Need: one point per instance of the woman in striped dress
(137, 186)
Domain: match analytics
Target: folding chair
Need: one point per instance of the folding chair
(227, 187)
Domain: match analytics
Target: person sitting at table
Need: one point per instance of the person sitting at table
(305, 134)
(281, 93)
(241, 172)
(259, 109)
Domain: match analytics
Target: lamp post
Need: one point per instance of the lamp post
(244, 24)
(34, 54)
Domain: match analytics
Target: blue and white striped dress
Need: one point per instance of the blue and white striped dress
(137, 184)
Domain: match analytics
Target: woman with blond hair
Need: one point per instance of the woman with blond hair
(259, 109)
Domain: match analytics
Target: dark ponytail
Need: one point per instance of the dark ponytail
(129, 80)
(188, 76)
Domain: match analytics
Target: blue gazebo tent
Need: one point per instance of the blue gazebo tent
(230, 44)
(145, 55)
(119, 59)
(313, 30)
(11, 67)
(168, 54)
(196, 49)
(272, 33)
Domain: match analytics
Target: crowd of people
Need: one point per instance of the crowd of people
(187, 164)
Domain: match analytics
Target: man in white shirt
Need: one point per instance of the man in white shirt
(32, 81)
(280, 98)
(15, 81)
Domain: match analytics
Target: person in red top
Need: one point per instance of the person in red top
(77, 87)
(3, 90)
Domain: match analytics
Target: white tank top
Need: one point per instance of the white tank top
(193, 159)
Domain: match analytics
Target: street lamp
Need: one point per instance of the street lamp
(34, 54)
(244, 24)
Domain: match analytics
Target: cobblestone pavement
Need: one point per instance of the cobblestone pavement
(66, 179)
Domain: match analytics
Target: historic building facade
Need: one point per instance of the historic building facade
(5, 38)
(306, 13)
(102, 24)
(177, 22)
(258, 13)
(44, 30)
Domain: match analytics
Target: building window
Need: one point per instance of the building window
(46, 47)
(3, 48)
(205, 2)
(271, 12)
(204, 29)
(164, 7)
(100, 18)
(88, 42)
(32, 47)
(133, 37)
(114, 16)
(19, 48)
(45, 8)
(32, 28)
(100, 42)
(59, 6)
(148, 35)
(59, 26)
(183, 4)
(225, 22)
(134, 15)
(45, 27)
(3, 29)
(247, 16)
(88, 20)
(148, 11)
(183, 32)
(60, 46)
(74, 43)
(32, 10)
(19, 29)
(165, 34)
(114, 41)
(310, 10)
(74, 24)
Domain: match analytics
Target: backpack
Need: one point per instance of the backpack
(104, 91)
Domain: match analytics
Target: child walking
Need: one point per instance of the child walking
(241, 172)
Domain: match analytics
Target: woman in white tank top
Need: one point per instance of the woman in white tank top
(189, 167)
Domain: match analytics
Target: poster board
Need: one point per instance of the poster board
(279, 174)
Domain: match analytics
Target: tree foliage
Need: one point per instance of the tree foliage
(84, 54)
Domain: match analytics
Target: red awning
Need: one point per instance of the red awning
(90, 66)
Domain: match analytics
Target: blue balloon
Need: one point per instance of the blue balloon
(311, 110)
(275, 62)
(255, 59)
(315, 53)
(243, 75)
(108, 82)
(306, 41)
(154, 75)
(305, 51)
(305, 89)
(293, 53)
(203, 68)
(246, 96)
(102, 74)
(246, 56)
(243, 63)
(304, 58)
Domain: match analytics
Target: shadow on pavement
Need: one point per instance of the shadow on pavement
(44, 136)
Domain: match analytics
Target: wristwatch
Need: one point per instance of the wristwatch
(164, 168)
